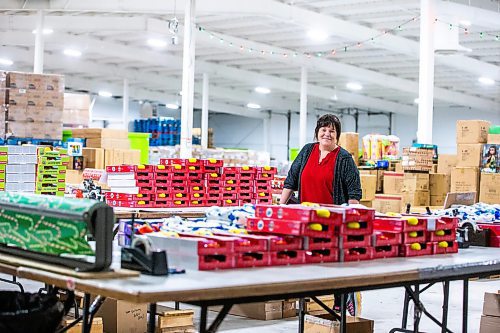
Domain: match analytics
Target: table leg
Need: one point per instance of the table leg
(446, 294)
(302, 313)
(343, 313)
(152, 318)
(416, 309)
(177, 305)
(465, 306)
(203, 319)
(86, 314)
(404, 323)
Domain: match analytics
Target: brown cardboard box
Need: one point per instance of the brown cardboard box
(122, 156)
(438, 200)
(260, 310)
(417, 198)
(472, 131)
(74, 177)
(350, 142)
(108, 143)
(380, 177)
(489, 191)
(384, 203)
(398, 167)
(393, 182)
(439, 184)
(494, 138)
(367, 203)
(54, 83)
(368, 186)
(327, 324)
(489, 324)
(469, 154)
(37, 130)
(18, 97)
(465, 179)
(446, 163)
(120, 316)
(97, 326)
(96, 133)
(491, 304)
(314, 308)
(17, 80)
(415, 182)
(289, 308)
(93, 158)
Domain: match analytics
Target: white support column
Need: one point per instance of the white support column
(204, 112)
(303, 108)
(266, 121)
(426, 71)
(39, 44)
(188, 81)
(125, 104)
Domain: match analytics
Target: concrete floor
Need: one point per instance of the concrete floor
(383, 306)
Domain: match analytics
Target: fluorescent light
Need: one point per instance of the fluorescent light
(416, 100)
(486, 81)
(157, 43)
(172, 106)
(6, 62)
(465, 23)
(253, 106)
(46, 31)
(317, 35)
(103, 93)
(354, 86)
(262, 90)
(72, 53)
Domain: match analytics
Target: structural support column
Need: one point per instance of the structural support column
(204, 112)
(303, 108)
(266, 123)
(426, 71)
(125, 104)
(39, 44)
(186, 148)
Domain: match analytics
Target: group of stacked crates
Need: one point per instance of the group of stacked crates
(51, 171)
(164, 131)
(188, 183)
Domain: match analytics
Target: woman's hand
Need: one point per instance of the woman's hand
(353, 202)
(285, 196)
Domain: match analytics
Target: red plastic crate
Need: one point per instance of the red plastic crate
(266, 169)
(290, 257)
(126, 197)
(289, 227)
(210, 169)
(163, 176)
(195, 176)
(245, 176)
(120, 169)
(163, 182)
(173, 161)
(212, 262)
(452, 247)
(298, 213)
(228, 195)
(405, 250)
(163, 204)
(162, 196)
(266, 188)
(245, 196)
(316, 243)
(242, 202)
(246, 190)
(321, 256)
(449, 235)
(494, 241)
(246, 169)
(394, 224)
(264, 176)
(230, 190)
(384, 238)
(162, 189)
(193, 162)
(245, 183)
(129, 204)
(179, 195)
(353, 213)
(194, 169)
(356, 254)
(197, 189)
(212, 176)
(212, 202)
(420, 238)
(213, 183)
(263, 195)
(493, 227)
(180, 203)
(284, 242)
(351, 241)
(196, 182)
(446, 222)
(179, 189)
(197, 196)
(267, 201)
(253, 259)
(213, 162)
(249, 243)
(229, 202)
(229, 182)
(179, 183)
(181, 176)
(213, 196)
(196, 203)
(385, 251)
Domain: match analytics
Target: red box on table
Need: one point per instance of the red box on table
(356, 254)
(385, 251)
(321, 256)
(288, 227)
(289, 257)
(405, 250)
(253, 259)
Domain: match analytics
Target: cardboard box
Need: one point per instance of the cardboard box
(261, 310)
(97, 133)
(446, 163)
(494, 138)
(93, 158)
(327, 324)
(384, 203)
(469, 154)
(489, 191)
(439, 184)
(74, 177)
(393, 182)
(490, 160)
(314, 308)
(380, 177)
(489, 324)
(367, 203)
(122, 156)
(97, 326)
(415, 182)
(120, 316)
(472, 131)
(350, 142)
(289, 308)
(465, 179)
(108, 143)
(417, 198)
(491, 304)
(438, 200)
(398, 167)
(368, 186)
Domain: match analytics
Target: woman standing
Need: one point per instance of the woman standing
(324, 172)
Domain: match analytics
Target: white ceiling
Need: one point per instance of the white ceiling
(112, 36)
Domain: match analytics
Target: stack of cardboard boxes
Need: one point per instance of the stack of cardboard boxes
(490, 320)
(76, 112)
(35, 104)
(471, 136)
(350, 142)
(489, 191)
(369, 188)
(416, 189)
(391, 200)
(439, 186)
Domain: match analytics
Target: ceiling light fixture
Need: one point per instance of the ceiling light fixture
(172, 106)
(317, 35)
(6, 62)
(253, 106)
(158, 43)
(72, 53)
(262, 90)
(486, 81)
(354, 86)
(106, 94)
(46, 31)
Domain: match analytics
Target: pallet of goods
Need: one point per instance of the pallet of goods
(417, 159)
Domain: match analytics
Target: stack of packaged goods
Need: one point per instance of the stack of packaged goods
(213, 181)
(238, 185)
(417, 159)
(18, 168)
(263, 184)
(51, 171)
(132, 186)
(354, 234)
(164, 131)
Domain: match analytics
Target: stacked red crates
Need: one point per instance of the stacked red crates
(263, 184)
(132, 186)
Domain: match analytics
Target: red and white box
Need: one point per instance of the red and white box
(129, 204)
(289, 227)
(315, 243)
(299, 213)
(126, 197)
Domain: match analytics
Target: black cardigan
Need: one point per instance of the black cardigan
(346, 183)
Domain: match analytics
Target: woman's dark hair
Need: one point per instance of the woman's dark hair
(488, 152)
(328, 120)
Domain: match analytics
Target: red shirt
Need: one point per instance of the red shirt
(316, 181)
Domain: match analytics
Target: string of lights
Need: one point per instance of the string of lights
(466, 31)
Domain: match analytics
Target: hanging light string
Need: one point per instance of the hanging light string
(466, 31)
(332, 52)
